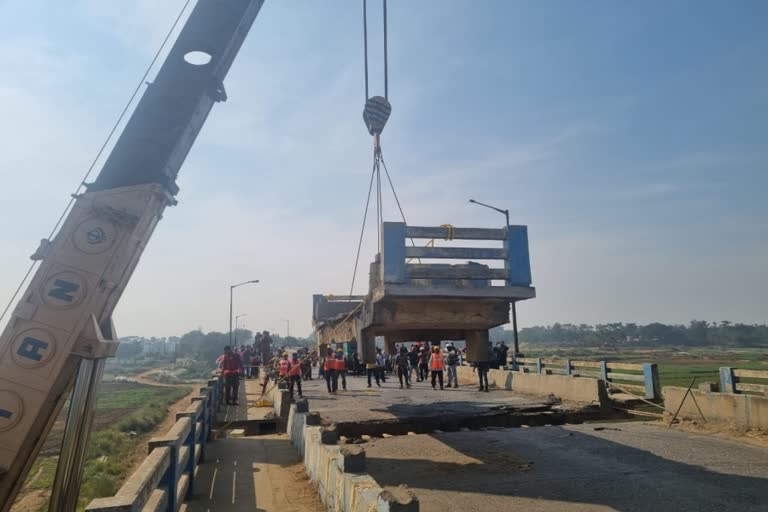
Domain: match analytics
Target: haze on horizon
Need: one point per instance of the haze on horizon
(630, 138)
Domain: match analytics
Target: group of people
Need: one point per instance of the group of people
(428, 362)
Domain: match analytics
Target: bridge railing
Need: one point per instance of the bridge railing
(640, 378)
(735, 380)
(166, 477)
(397, 266)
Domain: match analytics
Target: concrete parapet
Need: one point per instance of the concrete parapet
(329, 435)
(337, 472)
(302, 405)
(313, 419)
(740, 410)
(281, 402)
(566, 387)
(166, 477)
(351, 459)
(401, 499)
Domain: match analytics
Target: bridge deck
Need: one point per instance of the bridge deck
(389, 402)
(246, 410)
(253, 474)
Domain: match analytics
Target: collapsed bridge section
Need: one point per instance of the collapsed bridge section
(409, 300)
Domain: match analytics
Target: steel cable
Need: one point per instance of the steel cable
(98, 154)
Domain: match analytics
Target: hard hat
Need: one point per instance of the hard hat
(285, 354)
(339, 350)
(435, 349)
(422, 348)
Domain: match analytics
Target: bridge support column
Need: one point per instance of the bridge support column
(477, 346)
(389, 345)
(367, 347)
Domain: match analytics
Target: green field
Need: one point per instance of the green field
(677, 366)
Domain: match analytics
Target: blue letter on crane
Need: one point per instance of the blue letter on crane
(63, 290)
(31, 347)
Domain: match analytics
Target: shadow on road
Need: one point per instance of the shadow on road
(558, 464)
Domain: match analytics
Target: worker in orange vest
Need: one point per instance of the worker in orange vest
(294, 375)
(436, 365)
(329, 371)
(341, 369)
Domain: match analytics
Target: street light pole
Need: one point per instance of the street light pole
(287, 328)
(514, 303)
(238, 317)
(231, 296)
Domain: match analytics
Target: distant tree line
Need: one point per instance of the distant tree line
(206, 346)
(696, 333)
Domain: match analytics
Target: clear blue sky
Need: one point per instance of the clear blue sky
(632, 138)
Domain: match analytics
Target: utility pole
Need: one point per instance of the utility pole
(238, 317)
(514, 303)
(287, 327)
(231, 297)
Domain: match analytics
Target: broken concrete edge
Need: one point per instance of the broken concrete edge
(329, 435)
(281, 402)
(737, 410)
(338, 471)
(566, 387)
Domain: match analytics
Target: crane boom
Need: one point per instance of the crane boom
(63, 320)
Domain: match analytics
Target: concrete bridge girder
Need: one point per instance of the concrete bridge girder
(413, 300)
(404, 320)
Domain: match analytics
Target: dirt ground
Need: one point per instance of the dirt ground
(754, 437)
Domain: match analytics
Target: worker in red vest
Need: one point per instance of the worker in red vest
(329, 371)
(284, 365)
(341, 369)
(230, 365)
(294, 375)
(436, 365)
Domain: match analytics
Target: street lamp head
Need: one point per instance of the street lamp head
(254, 281)
(472, 201)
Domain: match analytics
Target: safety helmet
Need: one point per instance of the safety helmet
(339, 350)
(435, 349)
(285, 354)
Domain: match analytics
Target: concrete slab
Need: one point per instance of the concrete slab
(253, 474)
(246, 414)
(593, 467)
(389, 402)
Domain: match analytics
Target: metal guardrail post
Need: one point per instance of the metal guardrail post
(393, 252)
(539, 366)
(171, 478)
(604, 371)
(518, 262)
(727, 380)
(202, 435)
(568, 367)
(190, 469)
(651, 381)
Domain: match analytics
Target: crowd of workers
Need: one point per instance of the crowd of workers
(426, 362)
